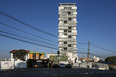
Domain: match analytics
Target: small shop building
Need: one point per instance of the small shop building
(36, 60)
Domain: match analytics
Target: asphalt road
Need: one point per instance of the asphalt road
(48, 72)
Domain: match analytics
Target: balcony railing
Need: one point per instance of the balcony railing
(67, 9)
(67, 15)
(72, 49)
(62, 45)
(67, 40)
(71, 21)
(73, 25)
(63, 18)
(71, 42)
(63, 28)
(75, 33)
(68, 49)
(65, 37)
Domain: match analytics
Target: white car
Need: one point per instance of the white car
(62, 65)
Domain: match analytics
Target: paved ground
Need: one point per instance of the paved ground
(47, 72)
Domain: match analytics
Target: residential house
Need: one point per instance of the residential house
(36, 55)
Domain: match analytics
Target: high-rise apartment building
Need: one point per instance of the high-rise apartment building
(67, 28)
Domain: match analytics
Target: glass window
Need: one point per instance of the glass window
(65, 7)
(69, 45)
(65, 33)
(65, 22)
(69, 8)
(65, 48)
(69, 36)
(34, 56)
(65, 42)
(69, 31)
(69, 19)
(69, 27)
(69, 13)
(65, 30)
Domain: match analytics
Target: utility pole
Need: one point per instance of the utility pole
(88, 54)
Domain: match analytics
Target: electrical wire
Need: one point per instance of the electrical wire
(26, 32)
(26, 37)
(22, 22)
(28, 42)
(103, 48)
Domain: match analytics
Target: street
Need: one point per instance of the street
(48, 72)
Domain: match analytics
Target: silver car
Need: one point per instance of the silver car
(62, 65)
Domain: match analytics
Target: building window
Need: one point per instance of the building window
(69, 19)
(65, 30)
(69, 45)
(65, 22)
(69, 8)
(65, 42)
(69, 13)
(37, 57)
(65, 33)
(34, 56)
(29, 56)
(69, 27)
(65, 48)
(69, 36)
(69, 30)
(65, 7)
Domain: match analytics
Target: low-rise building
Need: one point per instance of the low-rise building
(54, 58)
(95, 59)
(36, 55)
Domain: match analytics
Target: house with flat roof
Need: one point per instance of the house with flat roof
(36, 55)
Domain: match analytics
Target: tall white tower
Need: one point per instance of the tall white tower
(67, 29)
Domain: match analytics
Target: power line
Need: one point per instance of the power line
(103, 48)
(82, 42)
(85, 52)
(81, 50)
(26, 32)
(97, 55)
(81, 53)
(35, 28)
(28, 42)
(25, 37)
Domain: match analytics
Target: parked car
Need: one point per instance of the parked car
(68, 66)
(62, 65)
(112, 67)
(55, 66)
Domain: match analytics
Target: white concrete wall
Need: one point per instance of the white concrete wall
(10, 64)
(5, 65)
(20, 64)
(93, 65)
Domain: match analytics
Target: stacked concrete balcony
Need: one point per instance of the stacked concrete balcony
(67, 27)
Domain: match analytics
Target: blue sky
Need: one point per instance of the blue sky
(96, 23)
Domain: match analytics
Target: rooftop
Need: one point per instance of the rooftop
(67, 4)
(37, 52)
(17, 50)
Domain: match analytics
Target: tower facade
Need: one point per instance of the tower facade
(67, 28)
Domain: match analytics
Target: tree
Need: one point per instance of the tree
(111, 59)
(20, 54)
(100, 61)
